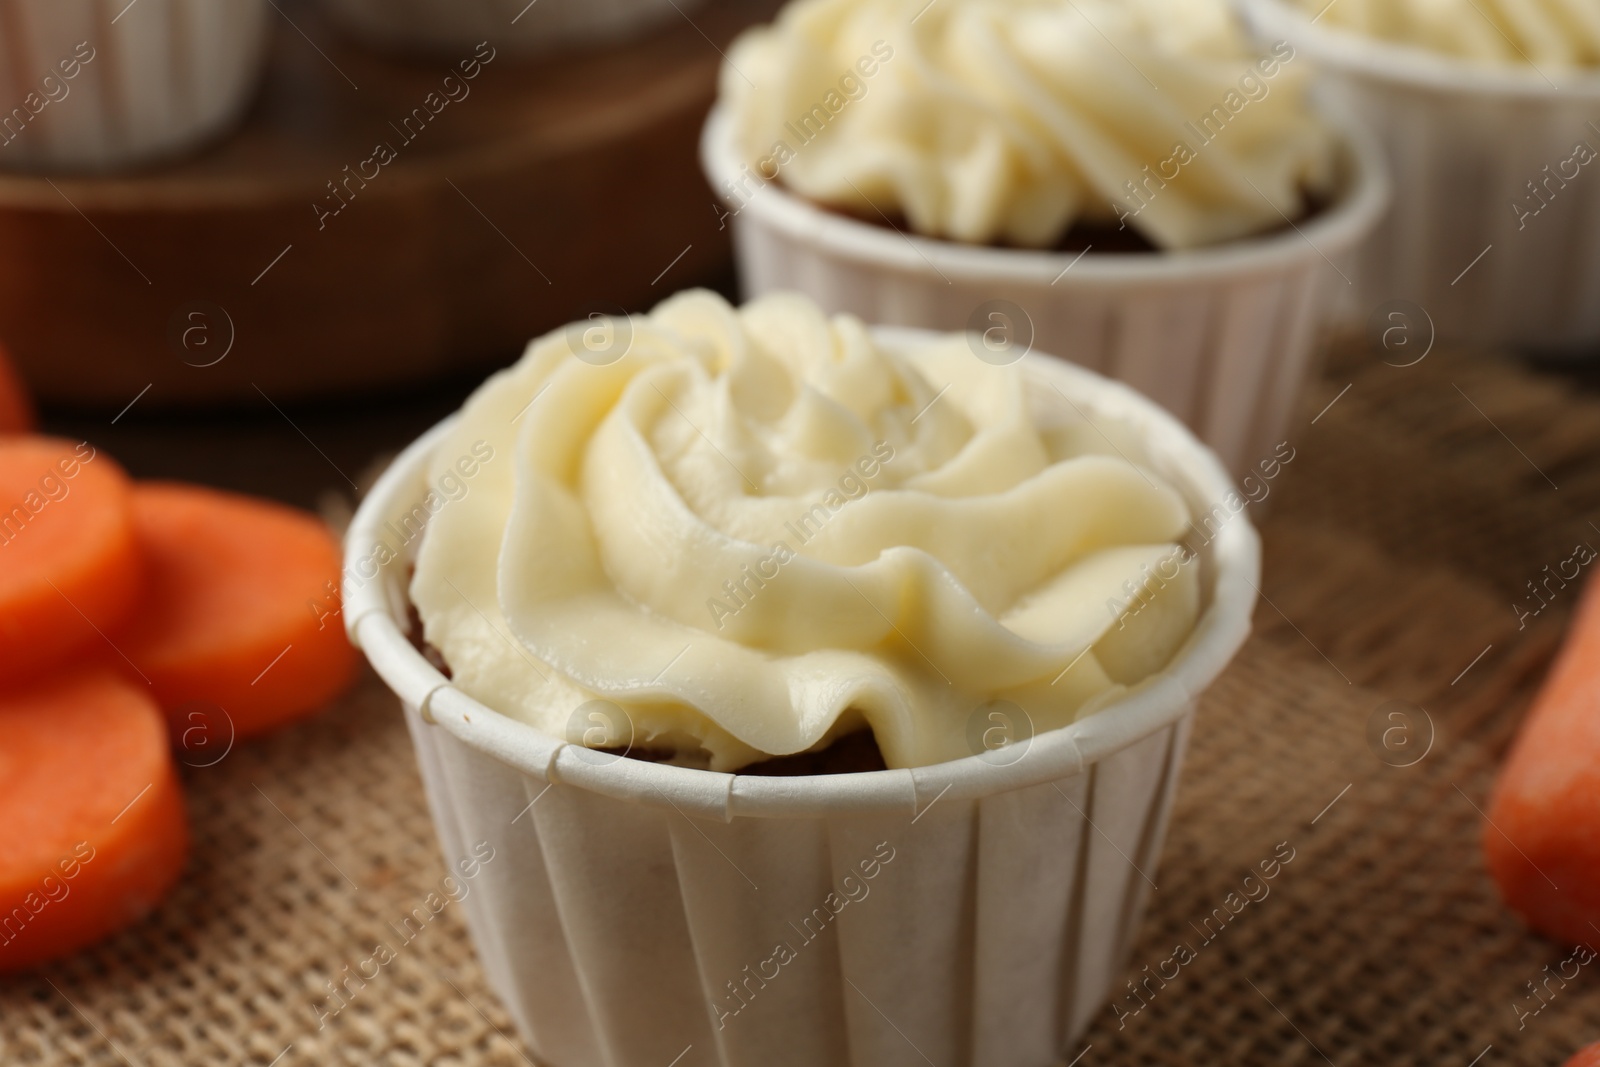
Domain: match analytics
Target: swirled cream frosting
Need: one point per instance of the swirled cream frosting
(748, 532)
(1008, 121)
(1555, 33)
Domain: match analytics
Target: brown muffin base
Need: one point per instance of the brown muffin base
(1081, 237)
(851, 754)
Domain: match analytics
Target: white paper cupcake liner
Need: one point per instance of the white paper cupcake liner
(625, 896)
(1222, 338)
(515, 25)
(1463, 142)
(160, 76)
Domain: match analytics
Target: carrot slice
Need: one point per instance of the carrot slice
(95, 833)
(69, 563)
(1589, 1056)
(1542, 839)
(16, 410)
(241, 608)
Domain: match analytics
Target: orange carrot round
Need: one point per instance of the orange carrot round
(1586, 1057)
(69, 563)
(16, 409)
(95, 830)
(1542, 839)
(240, 610)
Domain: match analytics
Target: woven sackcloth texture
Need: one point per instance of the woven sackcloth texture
(1413, 513)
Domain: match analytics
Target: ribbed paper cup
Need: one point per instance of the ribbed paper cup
(1223, 338)
(1464, 142)
(516, 25)
(625, 896)
(100, 84)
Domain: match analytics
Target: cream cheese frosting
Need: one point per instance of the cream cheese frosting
(760, 528)
(1554, 33)
(1007, 121)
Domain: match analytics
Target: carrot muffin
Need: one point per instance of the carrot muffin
(1133, 186)
(726, 534)
(1010, 121)
(1485, 110)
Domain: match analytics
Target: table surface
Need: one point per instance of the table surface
(1415, 509)
(548, 186)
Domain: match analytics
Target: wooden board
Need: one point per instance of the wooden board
(541, 191)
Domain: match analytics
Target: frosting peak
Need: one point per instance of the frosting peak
(758, 529)
(1007, 121)
(1555, 33)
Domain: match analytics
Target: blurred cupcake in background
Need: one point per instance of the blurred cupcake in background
(1486, 111)
(519, 26)
(102, 84)
(1128, 185)
(1554, 34)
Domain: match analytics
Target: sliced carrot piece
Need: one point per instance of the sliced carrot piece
(1542, 838)
(95, 829)
(69, 562)
(16, 409)
(240, 610)
(1588, 1056)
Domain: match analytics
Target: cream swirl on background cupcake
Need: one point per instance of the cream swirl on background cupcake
(759, 529)
(1008, 121)
(1562, 33)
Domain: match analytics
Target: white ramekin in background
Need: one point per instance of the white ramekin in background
(624, 895)
(1223, 338)
(514, 25)
(1463, 141)
(162, 76)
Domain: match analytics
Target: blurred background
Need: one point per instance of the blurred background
(261, 276)
(275, 309)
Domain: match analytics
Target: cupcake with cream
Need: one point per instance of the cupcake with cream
(1485, 110)
(1011, 122)
(937, 164)
(1560, 35)
(663, 555)
(104, 84)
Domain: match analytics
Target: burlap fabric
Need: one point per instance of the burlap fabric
(1415, 510)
